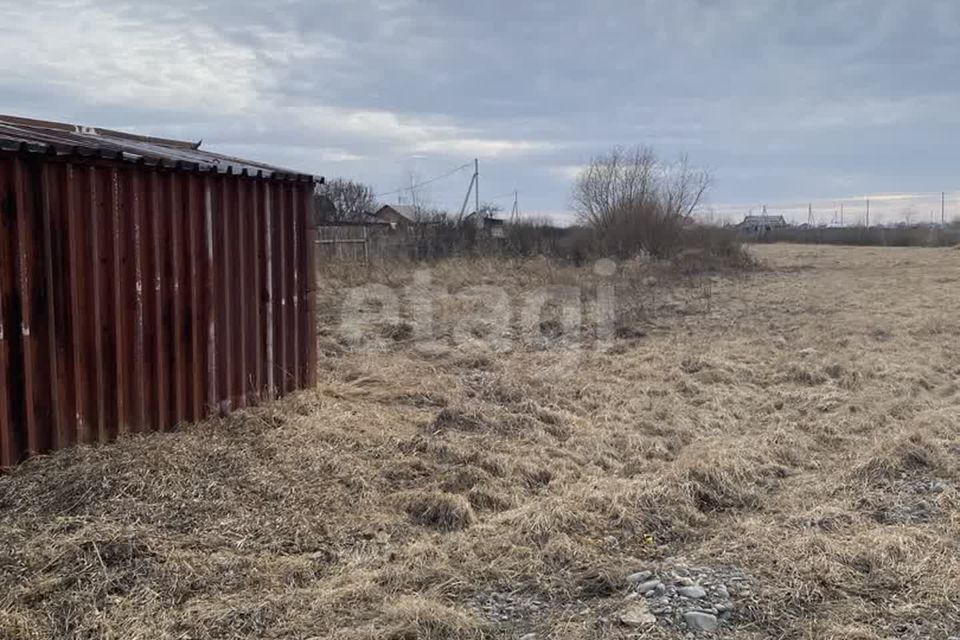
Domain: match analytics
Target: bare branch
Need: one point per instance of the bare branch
(351, 199)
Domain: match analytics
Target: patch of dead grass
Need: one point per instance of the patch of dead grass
(786, 431)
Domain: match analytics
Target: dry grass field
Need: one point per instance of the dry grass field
(785, 439)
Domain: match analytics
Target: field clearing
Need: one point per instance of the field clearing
(790, 433)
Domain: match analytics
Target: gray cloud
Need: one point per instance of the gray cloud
(782, 100)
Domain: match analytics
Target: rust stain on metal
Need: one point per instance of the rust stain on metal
(210, 304)
(195, 245)
(25, 248)
(143, 285)
(173, 192)
(140, 390)
(269, 297)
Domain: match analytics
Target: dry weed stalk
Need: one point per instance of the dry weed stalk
(804, 431)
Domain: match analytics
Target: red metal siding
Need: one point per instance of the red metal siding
(135, 298)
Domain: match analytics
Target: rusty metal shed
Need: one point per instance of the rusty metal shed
(143, 282)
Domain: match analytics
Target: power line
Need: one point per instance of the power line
(425, 182)
(875, 197)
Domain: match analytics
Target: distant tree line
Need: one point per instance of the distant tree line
(628, 201)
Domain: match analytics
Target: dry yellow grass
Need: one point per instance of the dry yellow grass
(798, 424)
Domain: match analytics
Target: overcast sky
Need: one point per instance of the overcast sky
(784, 102)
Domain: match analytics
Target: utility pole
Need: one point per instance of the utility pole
(466, 198)
(868, 213)
(475, 187)
(841, 213)
(515, 212)
(943, 202)
(810, 214)
(476, 193)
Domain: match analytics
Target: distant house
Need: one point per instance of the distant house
(761, 224)
(373, 219)
(397, 215)
(492, 227)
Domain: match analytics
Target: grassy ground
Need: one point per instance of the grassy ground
(795, 427)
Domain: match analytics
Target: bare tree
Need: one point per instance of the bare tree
(350, 199)
(634, 201)
(611, 181)
(489, 210)
(683, 187)
(419, 198)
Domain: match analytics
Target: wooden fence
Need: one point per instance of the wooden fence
(351, 243)
(376, 243)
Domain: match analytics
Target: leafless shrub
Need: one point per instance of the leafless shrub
(350, 200)
(711, 248)
(635, 202)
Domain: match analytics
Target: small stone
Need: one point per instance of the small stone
(700, 621)
(722, 592)
(639, 576)
(637, 614)
(684, 581)
(649, 585)
(695, 592)
(529, 636)
(723, 606)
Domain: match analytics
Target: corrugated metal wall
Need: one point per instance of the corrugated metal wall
(135, 298)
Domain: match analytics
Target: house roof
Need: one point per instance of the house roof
(404, 210)
(768, 219)
(61, 139)
(371, 218)
(485, 218)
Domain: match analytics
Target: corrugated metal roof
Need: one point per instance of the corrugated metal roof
(43, 137)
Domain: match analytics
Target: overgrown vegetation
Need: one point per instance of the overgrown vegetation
(905, 236)
(801, 432)
(633, 201)
(628, 203)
